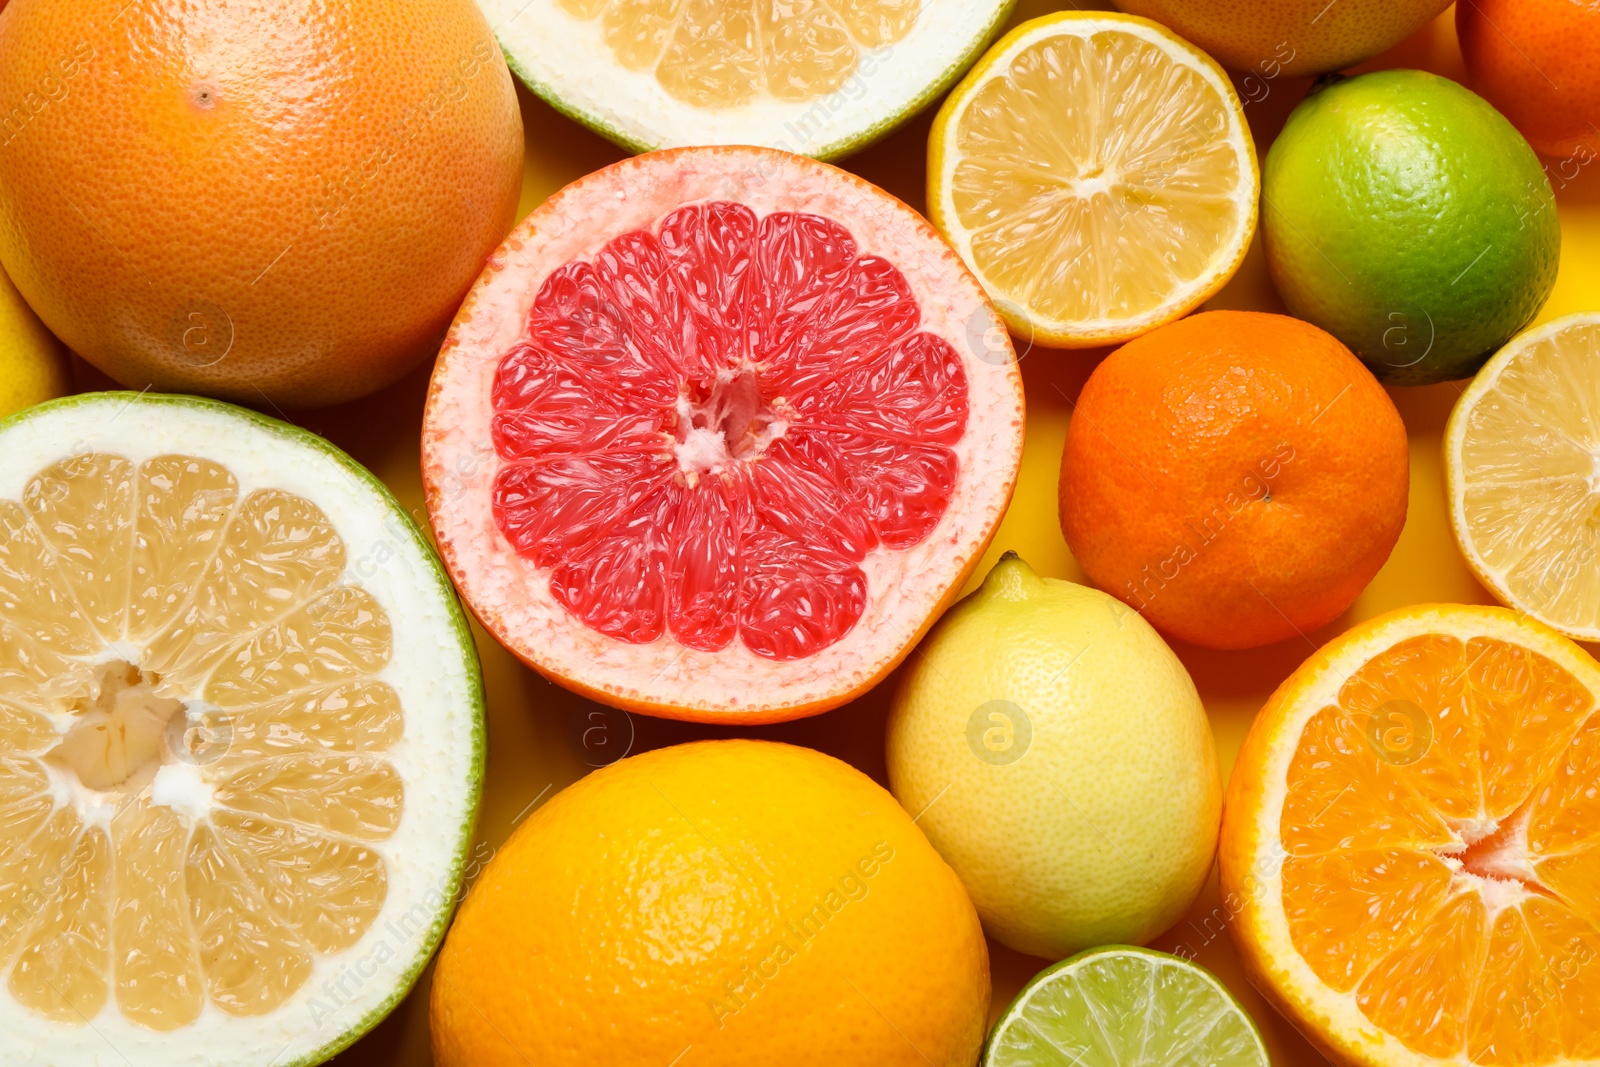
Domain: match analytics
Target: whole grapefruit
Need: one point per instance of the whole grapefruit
(1269, 38)
(253, 199)
(716, 903)
(1236, 477)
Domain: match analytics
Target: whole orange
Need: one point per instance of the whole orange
(723, 902)
(253, 198)
(1538, 61)
(1236, 477)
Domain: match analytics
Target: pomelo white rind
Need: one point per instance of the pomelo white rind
(434, 669)
(566, 61)
(907, 588)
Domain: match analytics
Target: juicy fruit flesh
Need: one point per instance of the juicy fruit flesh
(191, 779)
(1078, 225)
(1530, 467)
(1118, 1008)
(724, 53)
(708, 427)
(1442, 851)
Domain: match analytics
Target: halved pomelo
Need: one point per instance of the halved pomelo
(718, 433)
(818, 77)
(241, 739)
(1410, 850)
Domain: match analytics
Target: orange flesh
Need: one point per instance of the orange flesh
(164, 638)
(1442, 851)
(723, 53)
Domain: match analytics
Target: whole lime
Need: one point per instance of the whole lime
(1408, 218)
(1057, 755)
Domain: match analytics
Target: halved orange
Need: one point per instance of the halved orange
(1411, 843)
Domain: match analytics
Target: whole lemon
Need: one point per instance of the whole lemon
(1059, 758)
(1408, 218)
(722, 902)
(252, 199)
(33, 364)
(1269, 38)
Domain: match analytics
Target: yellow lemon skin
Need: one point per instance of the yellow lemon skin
(1059, 758)
(33, 364)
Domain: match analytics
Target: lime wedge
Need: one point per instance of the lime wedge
(1125, 1007)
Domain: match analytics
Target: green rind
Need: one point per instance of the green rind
(1015, 1007)
(1408, 218)
(836, 150)
(463, 632)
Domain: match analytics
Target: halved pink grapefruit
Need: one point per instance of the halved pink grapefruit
(718, 433)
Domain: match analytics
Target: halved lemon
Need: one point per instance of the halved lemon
(241, 739)
(1096, 173)
(817, 77)
(1522, 468)
(1410, 845)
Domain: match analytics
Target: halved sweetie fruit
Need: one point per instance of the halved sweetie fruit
(1096, 172)
(817, 77)
(1411, 849)
(718, 434)
(1522, 474)
(241, 739)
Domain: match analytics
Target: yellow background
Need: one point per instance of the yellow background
(530, 754)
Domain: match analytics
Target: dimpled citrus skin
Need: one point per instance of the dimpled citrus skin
(1237, 477)
(1102, 830)
(253, 198)
(1538, 62)
(726, 902)
(1276, 37)
(1408, 218)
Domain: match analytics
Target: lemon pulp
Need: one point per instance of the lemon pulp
(192, 780)
(1524, 462)
(724, 53)
(1099, 180)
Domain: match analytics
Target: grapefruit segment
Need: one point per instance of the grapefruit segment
(742, 445)
(1444, 909)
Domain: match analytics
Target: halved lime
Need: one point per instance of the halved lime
(1125, 1007)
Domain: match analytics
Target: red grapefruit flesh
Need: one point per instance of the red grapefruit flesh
(718, 433)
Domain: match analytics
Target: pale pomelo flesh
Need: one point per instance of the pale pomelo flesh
(727, 451)
(240, 739)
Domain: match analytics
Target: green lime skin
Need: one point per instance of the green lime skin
(1408, 218)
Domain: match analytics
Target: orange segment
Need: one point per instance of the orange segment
(1575, 878)
(1570, 950)
(1348, 910)
(1410, 702)
(1342, 796)
(1516, 1017)
(1566, 810)
(1530, 709)
(1417, 992)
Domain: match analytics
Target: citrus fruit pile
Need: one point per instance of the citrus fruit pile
(720, 432)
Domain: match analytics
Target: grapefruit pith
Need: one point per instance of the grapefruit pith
(718, 432)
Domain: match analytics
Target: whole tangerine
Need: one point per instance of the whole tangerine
(1237, 477)
(1538, 61)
